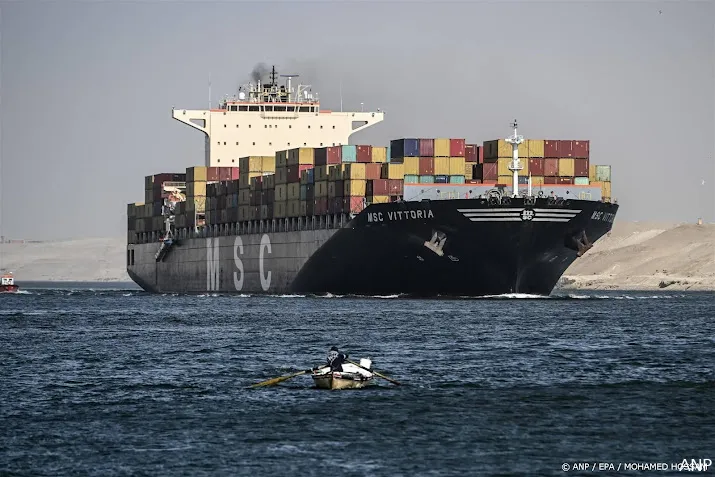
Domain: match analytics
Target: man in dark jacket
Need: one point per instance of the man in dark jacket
(336, 359)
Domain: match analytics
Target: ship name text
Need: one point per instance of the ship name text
(399, 215)
(603, 216)
(213, 264)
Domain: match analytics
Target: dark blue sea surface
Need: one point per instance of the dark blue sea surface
(108, 382)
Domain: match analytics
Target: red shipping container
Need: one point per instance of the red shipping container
(321, 206)
(364, 153)
(565, 180)
(551, 167)
(565, 148)
(580, 167)
(490, 171)
(336, 205)
(235, 174)
(353, 205)
(551, 180)
(426, 166)
(581, 149)
(470, 153)
(212, 174)
(224, 174)
(427, 147)
(536, 167)
(551, 148)
(293, 172)
(335, 155)
(456, 147)
(372, 171)
(480, 154)
(378, 187)
(320, 156)
(396, 186)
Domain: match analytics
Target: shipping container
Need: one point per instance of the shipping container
(503, 166)
(353, 205)
(551, 148)
(426, 147)
(480, 154)
(456, 166)
(411, 165)
(566, 166)
(349, 153)
(505, 180)
(335, 205)
(441, 179)
(497, 148)
(396, 187)
(456, 147)
(281, 159)
(581, 149)
(412, 178)
(456, 179)
(580, 168)
(212, 174)
(281, 192)
(535, 147)
(196, 174)
(441, 166)
(470, 153)
(257, 164)
(551, 167)
(380, 199)
(379, 154)
(354, 171)
(280, 210)
(195, 189)
(536, 166)
(426, 166)
(355, 187)
(307, 176)
(537, 180)
(606, 190)
(522, 180)
(406, 147)
(335, 155)
(565, 180)
(373, 171)
(392, 171)
(293, 172)
(293, 208)
(301, 156)
(293, 191)
(427, 179)
(565, 148)
(364, 154)
(551, 180)
(603, 173)
(490, 171)
(321, 205)
(441, 147)
(581, 181)
(469, 170)
(320, 156)
(303, 212)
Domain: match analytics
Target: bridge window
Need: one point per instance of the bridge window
(279, 108)
(304, 109)
(269, 108)
(234, 108)
(253, 108)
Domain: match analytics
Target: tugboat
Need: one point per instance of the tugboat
(7, 284)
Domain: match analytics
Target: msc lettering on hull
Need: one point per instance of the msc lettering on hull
(399, 215)
(603, 216)
(213, 264)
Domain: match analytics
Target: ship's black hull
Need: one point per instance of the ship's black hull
(465, 247)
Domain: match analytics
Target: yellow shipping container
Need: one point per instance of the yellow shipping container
(293, 208)
(301, 155)
(281, 193)
(379, 154)
(536, 148)
(441, 166)
(196, 189)
(606, 190)
(196, 204)
(279, 210)
(469, 170)
(508, 180)
(566, 167)
(354, 171)
(196, 174)
(294, 191)
(592, 173)
(392, 171)
(380, 199)
(412, 165)
(321, 189)
(257, 164)
(456, 166)
(441, 147)
(537, 180)
(503, 166)
(355, 187)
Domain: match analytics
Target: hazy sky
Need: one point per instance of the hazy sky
(87, 90)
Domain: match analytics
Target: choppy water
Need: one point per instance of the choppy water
(117, 382)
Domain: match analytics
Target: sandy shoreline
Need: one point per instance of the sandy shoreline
(635, 256)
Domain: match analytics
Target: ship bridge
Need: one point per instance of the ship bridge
(264, 118)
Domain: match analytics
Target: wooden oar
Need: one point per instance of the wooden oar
(374, 372)
(280, 379)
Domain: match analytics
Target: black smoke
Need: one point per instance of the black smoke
(259, 72)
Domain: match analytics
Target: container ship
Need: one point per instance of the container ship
(284, 205)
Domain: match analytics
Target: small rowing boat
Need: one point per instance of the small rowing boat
(351, 377)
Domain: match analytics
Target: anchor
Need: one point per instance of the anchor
(583, 243)
(436, 244)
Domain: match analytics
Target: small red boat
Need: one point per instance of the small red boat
(7, 284)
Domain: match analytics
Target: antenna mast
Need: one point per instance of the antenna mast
(289, 90)
(515, 165)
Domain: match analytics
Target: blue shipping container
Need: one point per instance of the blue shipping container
(389, 151)
(412, 179)
(441, 179)
(349, 154)
(426, 179)
(456, 179)
(310, 173)
(581, 181)
(303, 192)
(405, 148)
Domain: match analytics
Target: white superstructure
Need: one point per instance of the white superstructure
(265, 118)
